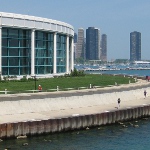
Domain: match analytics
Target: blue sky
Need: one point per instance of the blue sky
(116, 18)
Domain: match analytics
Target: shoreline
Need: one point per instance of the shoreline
(71, 109)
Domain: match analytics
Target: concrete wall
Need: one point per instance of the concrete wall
(60, 102)
(70, 123)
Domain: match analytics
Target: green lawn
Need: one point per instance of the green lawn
(65, 82)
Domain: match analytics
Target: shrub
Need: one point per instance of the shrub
(24, 79)
(75, 73)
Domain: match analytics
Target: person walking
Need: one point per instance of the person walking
(119, 102)
(145, 93)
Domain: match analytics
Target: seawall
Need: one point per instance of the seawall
(34, 127)
(61, 111)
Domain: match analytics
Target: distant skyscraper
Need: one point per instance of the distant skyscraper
(75, 45)
(103, 55)
(92, 43)
(75, 51)
(84, 51)
(135, 46)
(80, 43)
(75, 37)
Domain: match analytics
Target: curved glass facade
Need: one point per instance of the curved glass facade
(31, 45)
(18, 57)
(16, 51)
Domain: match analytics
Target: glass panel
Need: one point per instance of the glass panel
(5, 70)
(13, 43)
(13, 71)
(5, 42)
(4, 51)
(4, 32)
(13, 33)
(4, 61)
(13, 52)
(41, 61)
(24, 70)
(24, 61)
(24, 43)
(24, 52)
(13, 61)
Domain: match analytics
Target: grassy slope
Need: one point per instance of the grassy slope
(69, 82)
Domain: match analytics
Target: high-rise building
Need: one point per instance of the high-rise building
(92, 43)
(103, 55)
(80, 43)
(135, 46)
(75, 45)
(75, 51)
(75, 37)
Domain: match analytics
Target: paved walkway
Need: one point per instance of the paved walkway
(76, 111)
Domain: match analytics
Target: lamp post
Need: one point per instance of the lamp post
(0, 75)
(35, 81)
(34, 76)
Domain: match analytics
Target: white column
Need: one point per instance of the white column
(72, 54)
(0, 51)
(67, 54)
(32, 52)
(54, 63)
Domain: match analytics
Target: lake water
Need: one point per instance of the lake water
(110, 137)
(126, 72)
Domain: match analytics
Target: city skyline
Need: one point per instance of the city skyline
(117, 19)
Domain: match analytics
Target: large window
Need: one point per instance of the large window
(61, 53)
(16, 51)
(43, 52)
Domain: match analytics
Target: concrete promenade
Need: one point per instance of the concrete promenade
(41, 112)
(131, 95)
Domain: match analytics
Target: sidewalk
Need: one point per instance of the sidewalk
(44, 115)
(74, 111)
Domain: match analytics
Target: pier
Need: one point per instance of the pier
(114, 69)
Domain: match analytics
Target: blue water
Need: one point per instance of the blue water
(126, 72)
(110, 137)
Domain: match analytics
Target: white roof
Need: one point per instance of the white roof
(33, 22)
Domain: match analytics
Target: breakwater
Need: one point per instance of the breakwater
(46, 113)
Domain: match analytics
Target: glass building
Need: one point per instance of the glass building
(35, 46)
(103, 55)
(135, 46)
(92, 43)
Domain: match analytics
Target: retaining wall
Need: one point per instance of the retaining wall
(15, 129)
(59, 102)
